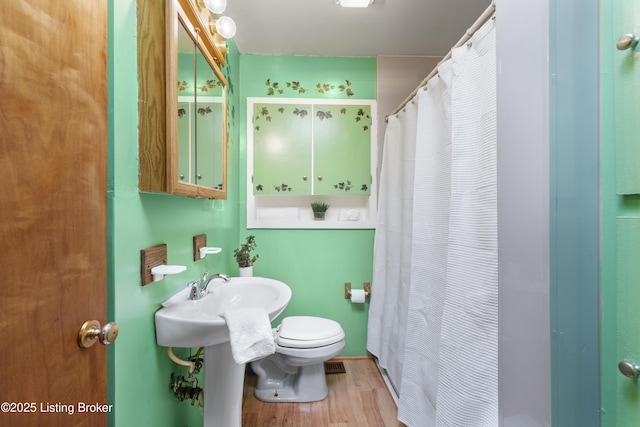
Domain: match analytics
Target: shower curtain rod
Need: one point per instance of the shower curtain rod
(467, 35)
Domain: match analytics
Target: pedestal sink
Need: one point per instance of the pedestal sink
(182, 322)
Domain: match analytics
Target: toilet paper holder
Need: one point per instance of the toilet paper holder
(347, 289)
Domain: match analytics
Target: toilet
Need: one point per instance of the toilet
(295, 372)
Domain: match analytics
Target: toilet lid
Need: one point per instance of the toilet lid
(308, 332)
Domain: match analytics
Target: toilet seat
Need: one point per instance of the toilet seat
(308, 332)
(295, 372)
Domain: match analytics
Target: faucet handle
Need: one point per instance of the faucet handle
(194, 286)
(205, 276)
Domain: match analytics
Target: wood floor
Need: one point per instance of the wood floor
(357, 398)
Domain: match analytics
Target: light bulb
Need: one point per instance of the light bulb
(226, 27)
(216, 6)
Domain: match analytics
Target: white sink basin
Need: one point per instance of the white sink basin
(182, 322)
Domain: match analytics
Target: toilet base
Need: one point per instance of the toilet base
(309, 384)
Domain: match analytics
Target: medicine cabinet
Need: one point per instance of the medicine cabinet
(182, 107)
(304, 150)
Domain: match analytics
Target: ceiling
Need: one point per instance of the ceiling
(321, 27)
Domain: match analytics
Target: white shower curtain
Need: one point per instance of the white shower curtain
(392, 261)
(433, 314)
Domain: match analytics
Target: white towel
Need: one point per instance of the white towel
(250, 334)
(349, 215)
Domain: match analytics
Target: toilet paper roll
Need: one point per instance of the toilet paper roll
(357, 296)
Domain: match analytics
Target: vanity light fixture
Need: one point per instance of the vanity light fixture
(216, 6)
(220, 25)
(354, 3)
(226, 27)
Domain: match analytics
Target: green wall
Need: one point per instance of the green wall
(314, 263)
(619, 215)
(139, 370)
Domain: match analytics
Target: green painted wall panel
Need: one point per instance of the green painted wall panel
(626, 85)
(282, 148)
(342, 149)
(314, 263)
(619, 223)
(627, 301)
(300, 148)
(139, 370)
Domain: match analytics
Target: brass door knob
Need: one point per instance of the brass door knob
(628, 41)
(91, 332)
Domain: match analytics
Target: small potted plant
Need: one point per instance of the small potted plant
(319, 210)
(244, 258)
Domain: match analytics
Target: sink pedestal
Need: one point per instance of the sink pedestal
(183, 322)
(223, 384)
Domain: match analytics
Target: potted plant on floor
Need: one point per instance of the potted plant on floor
(319, 210)
(244, 258)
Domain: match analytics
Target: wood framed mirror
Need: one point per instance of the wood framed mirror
(182, 145)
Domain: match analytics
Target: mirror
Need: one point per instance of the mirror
(200, 117)
(197, 130)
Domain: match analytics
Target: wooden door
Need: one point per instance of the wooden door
(53, 154)
(620, 233)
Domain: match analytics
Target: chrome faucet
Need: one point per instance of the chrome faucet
(199, 288)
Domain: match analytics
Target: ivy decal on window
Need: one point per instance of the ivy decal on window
(324, 115)
(360, 115)
(265, 113)
(302, 113)
(343, 186)
(279, 188)
(283, 188)
(347, 186)
(204, 111)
